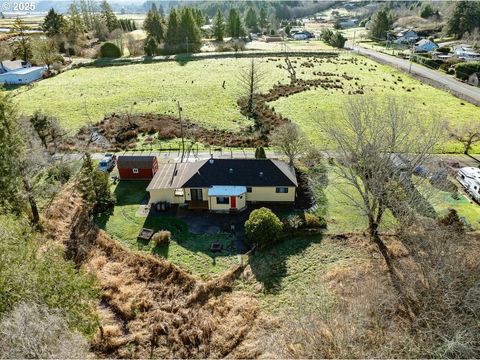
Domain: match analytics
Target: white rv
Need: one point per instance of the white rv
(469, 177)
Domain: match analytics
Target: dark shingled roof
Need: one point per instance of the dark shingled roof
(242, 172)
(136, 161)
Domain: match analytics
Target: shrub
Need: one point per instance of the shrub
(262, 227)
(293, 222)
(161, 237)
(464, 70)
(313, 221)
(444, 49)
(109, 50)
(260, 153)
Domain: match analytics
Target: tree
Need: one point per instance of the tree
(172, 38)
(262, 227)
(262, 19)
(260, 153)
(153, 25)
(290, 140)
(250, 80)
(45, 52)
(251, 20)
(110, 50)
(33, 331)
(75, 25)
(53, 24)
(380, 24)
(108, 16)
(465, 18)
(337, 25)
(234, 24)
(427, 11)
(47, 128)
(219, 26)
(85, 9)
(22, 46)
(189, 36)
(151, 47)
(367, 140)
(468, 134)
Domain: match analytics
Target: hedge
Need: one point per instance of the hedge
(464, 70)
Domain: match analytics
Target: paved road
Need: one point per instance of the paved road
(447, 83)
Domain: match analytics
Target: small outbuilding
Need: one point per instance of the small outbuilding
(425, 45)
(137, 167)
(19, 72)
(474, 79)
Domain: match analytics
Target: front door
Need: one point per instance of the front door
(233, 202)
(196, 194)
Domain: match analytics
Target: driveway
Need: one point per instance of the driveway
(445, 82)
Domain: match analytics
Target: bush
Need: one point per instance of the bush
(464, 70)
(161, 237)
(313, 221)
(293, 222)
(431, 63)
(444, 49)
(262, 227)
(445, 67)
(109, 50)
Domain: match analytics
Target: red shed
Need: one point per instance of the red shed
(137, 167)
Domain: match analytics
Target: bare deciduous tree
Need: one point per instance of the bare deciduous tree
(379, 146)
(468, 134)
(291, 141)
(250, 79)
(33, 331)
(45, 52)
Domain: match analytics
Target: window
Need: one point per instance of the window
(281, 190)
(249, 189)
(223, 200)
(135, 170)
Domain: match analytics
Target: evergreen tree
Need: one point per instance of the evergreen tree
(153, 25)
(465, 18)
(53, 24)
(151, 46)
(189, 35)
(219, 26)
(172, 39)
(108, 16)
(380, 24)
(262, 20)
(199, 18)
(22, 46)
(251, 21)
(260, 153)
(85, 183)
(86, 15)
(75, 26)
(234, 24)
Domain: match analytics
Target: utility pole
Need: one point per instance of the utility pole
(353, 41)
(181, 130)
(411, 57)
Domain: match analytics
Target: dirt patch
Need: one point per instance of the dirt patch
(150, 307)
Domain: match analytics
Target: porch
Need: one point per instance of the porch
(198, 205)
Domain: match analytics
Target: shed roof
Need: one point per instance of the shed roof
(226, 190)
(135, 161)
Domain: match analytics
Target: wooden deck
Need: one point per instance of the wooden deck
(198, 205)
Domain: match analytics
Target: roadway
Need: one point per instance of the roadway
(434, 77)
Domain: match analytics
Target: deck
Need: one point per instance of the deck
(198, 205)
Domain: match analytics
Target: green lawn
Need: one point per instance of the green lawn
(307, 108)
(288, 277)
(80, 95)
(189, 251)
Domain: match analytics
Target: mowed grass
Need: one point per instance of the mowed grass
(188, 251)
(310, 107)
(88, 94)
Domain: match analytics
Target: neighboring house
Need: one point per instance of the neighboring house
(349, 23)
(300, 36)
(466, 52)
(19, 72)
(406, 36)
(137, 167)
(223, 184)
(425, 45)
(474, 79)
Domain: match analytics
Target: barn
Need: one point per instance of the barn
(137, 167)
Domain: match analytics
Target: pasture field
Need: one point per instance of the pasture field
(88, 94)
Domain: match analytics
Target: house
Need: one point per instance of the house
(19, 72)
(137, 167)
(425, 45)
(406, 36)
(466, 52)
(348, 23)
(474, 79)
(225, 185)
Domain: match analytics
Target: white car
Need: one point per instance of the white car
(107, 163)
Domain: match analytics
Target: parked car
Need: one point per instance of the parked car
(107, 163)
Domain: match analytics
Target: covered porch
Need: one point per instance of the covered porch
(227, 198)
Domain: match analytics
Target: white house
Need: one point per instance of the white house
(466, 52)
(425, 45)
(405, 36)
(19, 72)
